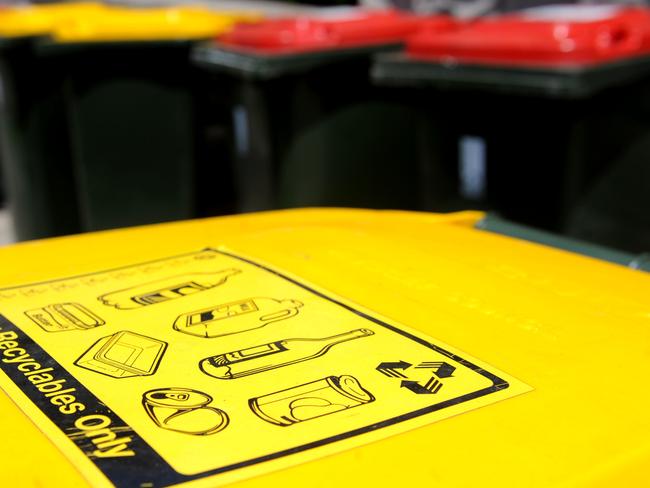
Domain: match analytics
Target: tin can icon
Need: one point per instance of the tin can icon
(184, 410)
(310, 400)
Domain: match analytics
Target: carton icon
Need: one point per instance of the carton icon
(60, 317)
(235, 317)
(123, 355)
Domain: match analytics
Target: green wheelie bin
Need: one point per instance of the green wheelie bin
(102, 118)
(38, 175)
(527, 113)
(136, 120)
(309, 128)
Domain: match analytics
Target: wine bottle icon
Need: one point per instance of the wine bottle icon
(257, 359)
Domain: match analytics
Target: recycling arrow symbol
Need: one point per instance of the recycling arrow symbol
(430, 387)
(439, 370)
(392, 369)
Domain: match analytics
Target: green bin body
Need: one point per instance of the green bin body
(131, 109)
(36, 154)
(103, 119)
(310, 128)
(536, 143)
(104, 135)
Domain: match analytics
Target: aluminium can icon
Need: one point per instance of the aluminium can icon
(311, 400)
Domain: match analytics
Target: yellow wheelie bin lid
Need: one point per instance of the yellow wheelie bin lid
(321, 348)
(136, 24)
(35, 20)
(89, 21)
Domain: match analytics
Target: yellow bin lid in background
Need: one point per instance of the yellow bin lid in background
(206, 352)
(83, 22)
(125, 24)
(35, 20)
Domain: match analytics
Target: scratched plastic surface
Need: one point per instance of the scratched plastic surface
(573, 328)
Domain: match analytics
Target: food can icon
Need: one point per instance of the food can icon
(311, 400)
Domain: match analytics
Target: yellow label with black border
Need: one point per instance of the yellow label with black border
(210, 367)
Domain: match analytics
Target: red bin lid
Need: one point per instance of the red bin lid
(547, 36)
(335, 29)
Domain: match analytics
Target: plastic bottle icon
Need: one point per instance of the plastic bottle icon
(310, 400)
(235, 317)
(273, 355)
(166, 289)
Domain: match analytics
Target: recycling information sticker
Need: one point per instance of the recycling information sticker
(212, 365)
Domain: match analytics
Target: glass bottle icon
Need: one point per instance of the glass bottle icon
(257, 359)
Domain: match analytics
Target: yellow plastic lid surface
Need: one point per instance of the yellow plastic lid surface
(42, 19)
(574, 330)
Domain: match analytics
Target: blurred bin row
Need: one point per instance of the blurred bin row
(122, 116)
(101, 114)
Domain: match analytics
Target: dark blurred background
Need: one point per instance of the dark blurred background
(131, 113)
